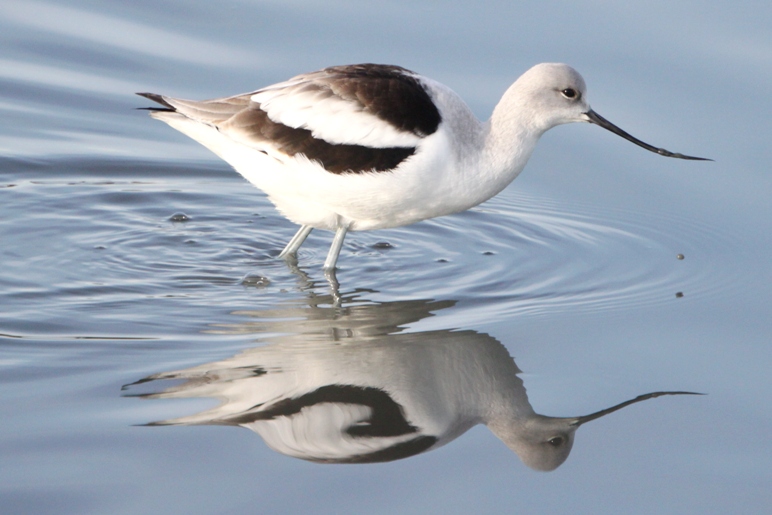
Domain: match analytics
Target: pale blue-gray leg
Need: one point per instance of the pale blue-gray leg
(337, 243)
(329, 274)
(296, 241)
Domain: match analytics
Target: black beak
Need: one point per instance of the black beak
(597, 119)
(578, 421)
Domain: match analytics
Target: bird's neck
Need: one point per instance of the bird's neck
(513, 131)
(509, 138)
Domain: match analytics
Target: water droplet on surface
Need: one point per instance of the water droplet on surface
(255, 281)
(179, 217)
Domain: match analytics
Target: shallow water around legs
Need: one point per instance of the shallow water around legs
(114, 234)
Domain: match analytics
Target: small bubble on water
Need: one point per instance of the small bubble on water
(179, 217)
(680, 256)
(255, 281)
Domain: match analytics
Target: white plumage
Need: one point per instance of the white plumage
(366, 147)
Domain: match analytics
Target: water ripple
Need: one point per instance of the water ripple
(528, 254)
(517, 254)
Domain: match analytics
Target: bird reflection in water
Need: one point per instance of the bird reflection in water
(347, 385)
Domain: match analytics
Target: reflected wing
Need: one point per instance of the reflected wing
(337, 424)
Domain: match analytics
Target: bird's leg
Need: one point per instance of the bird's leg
(337, 243)
(332, 280)
(296, 241)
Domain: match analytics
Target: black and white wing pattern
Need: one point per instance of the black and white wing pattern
(337, 423)
(349, 119)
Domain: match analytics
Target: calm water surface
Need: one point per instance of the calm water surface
(144, 314)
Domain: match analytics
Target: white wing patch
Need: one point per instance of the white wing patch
(309, 105)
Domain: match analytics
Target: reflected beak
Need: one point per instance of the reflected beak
(597, 119)
(578, 421)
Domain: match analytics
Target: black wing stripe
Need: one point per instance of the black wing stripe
(255, 125)
(395, 452)
(386, 419)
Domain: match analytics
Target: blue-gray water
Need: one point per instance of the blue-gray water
(573, 268)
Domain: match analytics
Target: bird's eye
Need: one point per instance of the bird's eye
(556, 441)
(570, 93)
